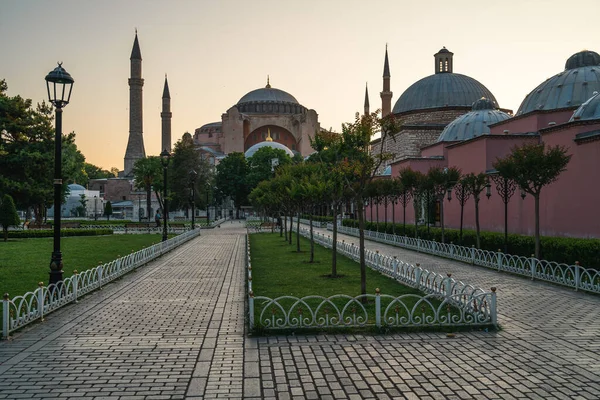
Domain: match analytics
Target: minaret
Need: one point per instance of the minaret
(135, 145)
(367, 112)
(386, 94)
(166, 115)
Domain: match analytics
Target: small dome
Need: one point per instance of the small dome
(75, 187)
(584, 58)
(444, 50)
(570, 88)
(268, 95)
(442, 90)
(588, 110)
(253, 149)
(474, 123)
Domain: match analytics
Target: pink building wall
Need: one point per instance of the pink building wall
(568, 207)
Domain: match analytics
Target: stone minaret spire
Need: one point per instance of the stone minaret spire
(386, 94)
(166, 115)
(367, 112)
(135, 145)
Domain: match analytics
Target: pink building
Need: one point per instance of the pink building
(564, 110)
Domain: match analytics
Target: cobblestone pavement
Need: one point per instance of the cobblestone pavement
(175, 329)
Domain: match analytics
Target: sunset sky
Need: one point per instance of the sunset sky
(320, 51)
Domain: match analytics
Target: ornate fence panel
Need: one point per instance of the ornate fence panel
(574, 276)
(22, 310)
(448, 302)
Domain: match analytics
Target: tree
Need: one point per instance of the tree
(8, 214)
(360, 165)
(532, 167)
(184, 159)
(442, 181)
(82, 207)
(260, 167)
(232, 179)
(94, 172)
(462, 195)
(475, 184)
(147, 173)
(408, 183)
(108, 210)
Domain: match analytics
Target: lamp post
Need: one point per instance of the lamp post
(95, 208)
(139, 207)
(207, 208)
(164, 160)
(193, 175)
(506, 189)
(59, 84)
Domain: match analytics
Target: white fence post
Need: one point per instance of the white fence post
(395, 265)
(75, 280)
(449, 287)
(251, 309)
(493, 309)
(5, 316)
(577, 275)
(499, 259)
(532, 266)
(100, 276)
(40, 299)
(418, 275)
(473, 254)
(377, 307)
(451, 249)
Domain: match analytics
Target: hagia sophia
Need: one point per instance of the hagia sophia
(448, 119)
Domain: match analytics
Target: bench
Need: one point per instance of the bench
(140, 225)
(177, 226)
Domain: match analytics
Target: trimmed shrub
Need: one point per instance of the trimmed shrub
(38, 233)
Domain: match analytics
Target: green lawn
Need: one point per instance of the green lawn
(25, 262)
(278, 270)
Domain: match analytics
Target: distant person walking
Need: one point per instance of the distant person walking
(157, 219)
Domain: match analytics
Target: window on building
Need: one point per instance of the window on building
(446, 65)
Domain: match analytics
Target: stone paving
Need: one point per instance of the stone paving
(175, 329)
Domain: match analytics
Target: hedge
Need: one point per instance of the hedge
(317, 218)
(38, 233)
(558, 249)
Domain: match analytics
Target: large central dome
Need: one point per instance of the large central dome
(269, 100)
(268, 94)
(442, 90)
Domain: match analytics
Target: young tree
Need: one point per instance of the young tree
(409, 180)
(108, 211)
(8, 214)
(533, 166)
(360, 165)
(442, 180)
(147, 173)
(232, 179)
(475, 184)
(462, 195)
(82, 207)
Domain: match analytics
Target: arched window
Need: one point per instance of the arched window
(446, 65)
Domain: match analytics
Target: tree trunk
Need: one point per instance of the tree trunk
(291, 224)
(148, 202)
(462, 209)
(5, 229)
(361, 245)
(393, 218)
(442, 218)
(285, 230)
(477, 221)
(298, 234)
(334, 244)
(312, 240)
(538, 245)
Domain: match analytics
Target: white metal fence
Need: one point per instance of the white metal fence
(22, 310)
(574, 276)
(448, 302)
(135, 228)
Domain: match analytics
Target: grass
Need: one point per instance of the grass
(278, 270)
(25, 262)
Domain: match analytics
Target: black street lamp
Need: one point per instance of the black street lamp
(164, 160)
(207, 208)
(193, 175)
(505, 188)
(95, 208)
(59, 84)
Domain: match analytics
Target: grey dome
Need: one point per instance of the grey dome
(570, 88)
(253, 149)
(442, 90)
(74, 186)
(474, 123)
(588, 110)
(268, 95)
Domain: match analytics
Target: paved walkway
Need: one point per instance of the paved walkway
(175, 329)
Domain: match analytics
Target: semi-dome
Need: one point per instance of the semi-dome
(253, 149)
(474, 123)
(570, 88)
(75, 187)
(442, 90)
(588, 110)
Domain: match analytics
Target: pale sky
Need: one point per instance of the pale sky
(320, 51)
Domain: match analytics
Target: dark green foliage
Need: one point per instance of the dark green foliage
(8, 214)
(108, 210)
(558, 249)
(232, 178)
(39, 233)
